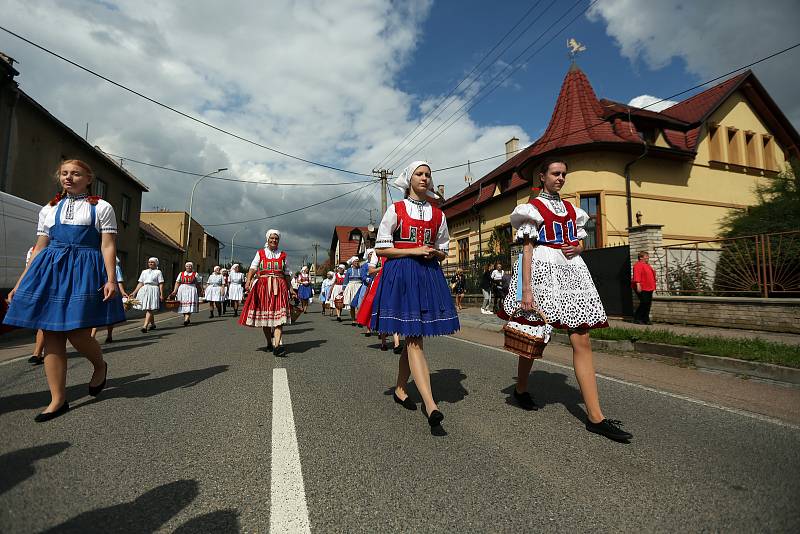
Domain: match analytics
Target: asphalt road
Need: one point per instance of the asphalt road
(181, 440)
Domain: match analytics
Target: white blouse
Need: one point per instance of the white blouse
(527, 220)
(270, 256)
(236, 278)
(80, 214)
(385, 238)
(215, 280)
(151, 276)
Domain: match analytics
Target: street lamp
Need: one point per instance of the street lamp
(234, 238)
(191, 201)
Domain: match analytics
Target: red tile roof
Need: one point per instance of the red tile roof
(698, 107)
(347, 248)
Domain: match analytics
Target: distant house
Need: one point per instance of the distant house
(155, 243)
(202, 248)
(33, 142)
(347, 241)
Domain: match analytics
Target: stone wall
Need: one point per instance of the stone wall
(775, 315)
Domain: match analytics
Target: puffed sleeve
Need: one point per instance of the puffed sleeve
(178, 279)
(384, 238)
(581, 218)
(106, 218)
(43, 228)
(160, 277)
(255, 262)
(527, 220)
(443, 237)
(142, 277)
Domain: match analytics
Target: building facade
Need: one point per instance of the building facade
(33, 143)
(346, 242)
(202, 248)
(684, 168)
(156, 244)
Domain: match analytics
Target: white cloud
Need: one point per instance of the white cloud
(317, 79)
(711, 38)
(653, 103)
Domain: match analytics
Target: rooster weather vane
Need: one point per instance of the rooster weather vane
(574, 48)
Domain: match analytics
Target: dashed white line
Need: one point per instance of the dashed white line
(744, 413)
(288, 509)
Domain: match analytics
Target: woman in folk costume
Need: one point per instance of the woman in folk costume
(267, 304)
(150, 292)
(236, 287)
(304, 292)
(187, 291)
(215, 289)
(413, 298)
(337, 291)
(365, 309)
(325, 290)
(552, 288)
(125, 297)
(224, 272)
(70, 284)
(352, 284)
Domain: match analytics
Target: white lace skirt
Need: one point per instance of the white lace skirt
(149, 296)
(214, 294)
(350, 292)
(188, 298)
(563, 291)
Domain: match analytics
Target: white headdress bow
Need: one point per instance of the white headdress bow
(154, 260)
(403, 182)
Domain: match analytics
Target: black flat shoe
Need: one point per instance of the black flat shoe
(270, 347)
(384, 347)
(398, 350)
(185, 323)
(280, 352)
(406, 403)
(609, 428)
(109, 340)
(338, 319)
(95, 390)
(525, 401)
(43, 417)
(211, 315)
(144, 330)
(36, 360)
(152, 327)
(435, 418)
(368, 334)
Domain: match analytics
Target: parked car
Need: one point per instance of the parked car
(18, 220)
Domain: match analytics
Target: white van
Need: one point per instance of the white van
(18, 220)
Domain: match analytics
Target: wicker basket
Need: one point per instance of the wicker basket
(338, 302)
(523, 344)
(171, 304)
(295, 312)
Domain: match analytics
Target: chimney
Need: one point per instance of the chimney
(440, 189)
(512, 147)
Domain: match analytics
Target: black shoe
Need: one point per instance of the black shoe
(270, 347)
(609, 428)
(384, 347)
(185, 323)
(211, 315)
(647, 322)
(279, 351)
(407, 403)
(338, 319)
(368, 334)
(435, 418)
(36, 360)
(153, 326)
(144, 330)
(109, 339)
(525, 401)
(398, 349)
(95, 390)
(42, 417)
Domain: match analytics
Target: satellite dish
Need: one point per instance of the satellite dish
(371, 227)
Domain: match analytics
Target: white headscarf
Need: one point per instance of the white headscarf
(368, 252)
(330, 274)
(342, 266)
(351, 260)
(273, 231)
(154, 260)
(235, 266)
(216, 268)
(304, 269)
(403, 182)
(188, 263)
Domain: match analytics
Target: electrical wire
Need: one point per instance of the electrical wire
(447, 96)
(224, 179)
(177, 111)
(290, 211)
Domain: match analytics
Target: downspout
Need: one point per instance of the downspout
(628, 180)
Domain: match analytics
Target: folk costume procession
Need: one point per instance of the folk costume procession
(397, 288)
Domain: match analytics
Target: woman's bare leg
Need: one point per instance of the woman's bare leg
(583, 362)
(55, 368)
(419, 370)
(524, 366)
(90, 348)
(403, 373)
(38, 348)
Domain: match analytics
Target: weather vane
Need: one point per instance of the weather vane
(574, 47)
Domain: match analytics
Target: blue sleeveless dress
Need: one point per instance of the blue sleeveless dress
(63, 288)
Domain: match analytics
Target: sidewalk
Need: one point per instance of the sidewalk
(474, 315)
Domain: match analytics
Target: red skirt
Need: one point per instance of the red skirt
(267, 303)
(365, 310)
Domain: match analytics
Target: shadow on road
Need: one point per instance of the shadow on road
(288, 331)
(445, 384)
(17, 466)
(221, 522)
(552, 388)
(145, 514)
(304, 346)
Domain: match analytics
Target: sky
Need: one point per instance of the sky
(345, 82)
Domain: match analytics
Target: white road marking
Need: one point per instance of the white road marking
(736, 411)
(288, 510)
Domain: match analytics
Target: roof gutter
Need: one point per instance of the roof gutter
(628, 181)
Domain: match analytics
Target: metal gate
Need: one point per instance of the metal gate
(611, 271)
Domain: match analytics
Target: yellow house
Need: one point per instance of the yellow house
(684, 168)
(202, 248)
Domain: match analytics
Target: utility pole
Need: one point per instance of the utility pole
(384, 175)
(316, 246)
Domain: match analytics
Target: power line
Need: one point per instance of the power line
(181, 113)
(191, 173)
(447, 96)
(290, 211)
(474, 101)
(670, 97)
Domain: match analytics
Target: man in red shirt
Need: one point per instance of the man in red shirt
(644, 283)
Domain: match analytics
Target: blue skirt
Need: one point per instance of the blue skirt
(413, 300)
(360, 294)
(66, 294)
(304, 292)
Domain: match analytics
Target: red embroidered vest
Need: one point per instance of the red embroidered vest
(556, 230)
(271, 266)
(188, 278)
(338, 279)
(411, 233)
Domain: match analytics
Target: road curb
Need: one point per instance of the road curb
(767, 371)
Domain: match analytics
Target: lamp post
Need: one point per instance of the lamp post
(233, 239)
(191, 202)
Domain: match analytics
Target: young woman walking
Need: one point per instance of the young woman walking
(215, 291)
(304, 291)
(187, 291)
(552, 288)
(150, 292)
(236, 280)
(70, 284)
(413, 298)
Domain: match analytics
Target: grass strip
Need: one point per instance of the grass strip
(755, 349)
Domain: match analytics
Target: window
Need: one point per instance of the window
(100, 188)
(463, 250)
(199, 244)
(591, 205)
(125, 216)
(355, 235)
